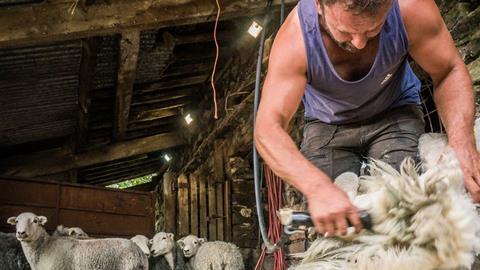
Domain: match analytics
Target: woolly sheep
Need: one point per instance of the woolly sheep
(215, 255)
(44, 252)
(11, 254)
(74, 232)
(142, 243)
(166, 254)
(421, 220)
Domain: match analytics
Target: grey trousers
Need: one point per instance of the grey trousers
(390, 137)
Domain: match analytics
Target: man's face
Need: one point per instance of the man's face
(350, 30)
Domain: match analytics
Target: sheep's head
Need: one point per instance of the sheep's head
(77, 232)
(190, 245)
(29, 226)
(142, 242)
(162, 243)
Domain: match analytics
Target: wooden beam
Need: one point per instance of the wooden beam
(50, 21)
(203, 38)
(63, 160)
(128, 56)
(171, 84)
(154, 114)
(85, 85)
(159, 96)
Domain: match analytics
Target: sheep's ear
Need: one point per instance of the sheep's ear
(171, 235)
(42, 220)
(150, 242)
(181, 243)
(12, 220)
(201, 240)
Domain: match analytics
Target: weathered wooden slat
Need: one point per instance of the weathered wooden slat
(51, 22)
(228, 209)
(158, 96)
(158, 87)
(127, 176)
(219, 176)
(128, 56)
(202, 201)
(212, 209)
(113, 166)
(170, 202)
(183, 205)
(58, 161)
(142, 116)
(85, 85)
(194, 204)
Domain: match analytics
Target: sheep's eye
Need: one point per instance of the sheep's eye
(35, 221)
(164, 238)
(195, 242)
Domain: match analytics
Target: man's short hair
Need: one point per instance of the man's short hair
(359, 6)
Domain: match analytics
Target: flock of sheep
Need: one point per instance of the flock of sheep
(31, 247)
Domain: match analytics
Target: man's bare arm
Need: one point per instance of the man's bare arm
(432, 47)
(281, 96)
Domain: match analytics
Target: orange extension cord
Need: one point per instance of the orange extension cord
(275, 189)
(216, 60)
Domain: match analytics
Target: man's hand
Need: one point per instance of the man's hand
(329, 207)
(469, 159)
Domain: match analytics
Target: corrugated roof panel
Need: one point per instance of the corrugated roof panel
(153, 57)
(107, 59)
(38, 92)
(7, 3)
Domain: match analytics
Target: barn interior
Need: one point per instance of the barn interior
(108, 114)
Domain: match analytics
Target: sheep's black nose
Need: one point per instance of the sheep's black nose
(22, 234)
(186, 250)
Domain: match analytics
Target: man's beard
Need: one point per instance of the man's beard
(342, 44)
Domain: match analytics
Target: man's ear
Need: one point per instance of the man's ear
(12, 220)
(43, 220)
(201, 240)
(171, 236)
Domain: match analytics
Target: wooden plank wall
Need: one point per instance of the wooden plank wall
(204, 200)
(98, 211)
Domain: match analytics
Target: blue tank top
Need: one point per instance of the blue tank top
(389, 83)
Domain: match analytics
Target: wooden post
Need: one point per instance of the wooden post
(219, 177)
(183, 213)
(202, 197)
(170, 202)
(212, 208)
(194, 204)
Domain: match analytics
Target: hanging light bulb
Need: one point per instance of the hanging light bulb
(188, 119)
(255, 29)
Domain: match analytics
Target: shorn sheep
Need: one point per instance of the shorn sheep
(421, 220)
(11, 254)
(216, 255)
(142, 243)
(74, 232)
(44, 252)
(166, 254)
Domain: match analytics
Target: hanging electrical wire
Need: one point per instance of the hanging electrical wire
(212, 81)
(274, 184)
